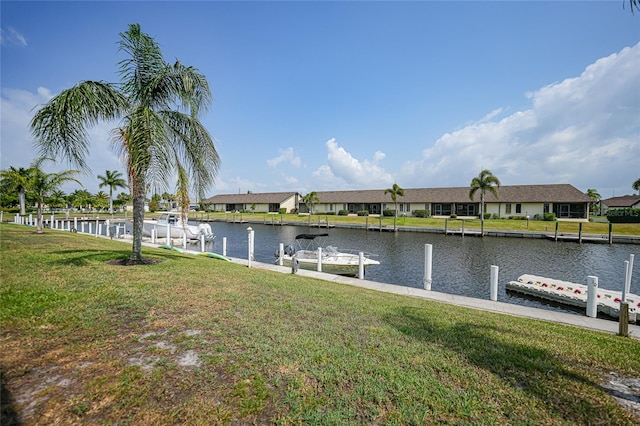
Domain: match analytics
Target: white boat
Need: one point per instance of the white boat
(173, 221)
(573, 294)
(333, 261)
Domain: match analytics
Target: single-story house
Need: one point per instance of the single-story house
(564, 200)
(626, 201)
(265, 202)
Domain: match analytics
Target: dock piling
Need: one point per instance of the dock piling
(592, 296)
(428, 257)
(494, 283)
(623, 325)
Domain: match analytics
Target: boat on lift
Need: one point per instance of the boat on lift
(173, 222)
(333, 261)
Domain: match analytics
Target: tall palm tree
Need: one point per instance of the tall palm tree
(112, 179)
(485, 181)
(41, 185)
(16, 180)
(636, 185)
(160, 133)
(395, 191)
(595, 197)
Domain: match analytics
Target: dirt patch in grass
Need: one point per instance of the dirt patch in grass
(626, 391)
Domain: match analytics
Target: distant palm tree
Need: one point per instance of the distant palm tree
(57, 199)
(112, 179)
(41, 185)
(158, 105)
(16, 180)
(595, 197)
(310, 200)
(101, 200)
(636, 185)
(484, 182)
(395, 191)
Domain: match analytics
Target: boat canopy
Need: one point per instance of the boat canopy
(309, 236)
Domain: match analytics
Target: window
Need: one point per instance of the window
(518, 208)
(545, 209)
(507, 208)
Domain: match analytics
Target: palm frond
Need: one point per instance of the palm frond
(60, 126)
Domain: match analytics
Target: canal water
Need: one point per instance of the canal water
(461, 265)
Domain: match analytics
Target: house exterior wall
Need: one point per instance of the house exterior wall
(505, 210)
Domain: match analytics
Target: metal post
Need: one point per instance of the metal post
(98, 228)
(169, 240)
(224, 246)
(463, 227)
(319, 259)
(107, 223)
(446, 226)
(592, 296)
(428, 257)
(184, 239)
(361, 265)
(556, 235)
(97, 223)
(75, 223)
(201, 243)
(280, 254)
(494, 283)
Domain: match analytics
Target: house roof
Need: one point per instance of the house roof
(506, 194)
(513, 193)
(251, 198)
(624, 201)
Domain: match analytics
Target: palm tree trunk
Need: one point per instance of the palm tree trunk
(21, 198)
(39, 219)
(482, 214)
(138, 218)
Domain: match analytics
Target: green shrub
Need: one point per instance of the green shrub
(421, 213)
(518, 217)
(453, 216)
(549, 217)
(343, 213)
(624, 215)
(495, 216)
(363, 213)
(487, 215)
(389, 213)
(283, 210)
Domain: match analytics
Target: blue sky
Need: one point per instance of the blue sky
(313, 96)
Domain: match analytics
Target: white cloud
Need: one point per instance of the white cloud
(286, 155)
(345, 171)
(11, 37)
(583, 131)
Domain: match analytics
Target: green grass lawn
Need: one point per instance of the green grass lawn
(193, 340)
